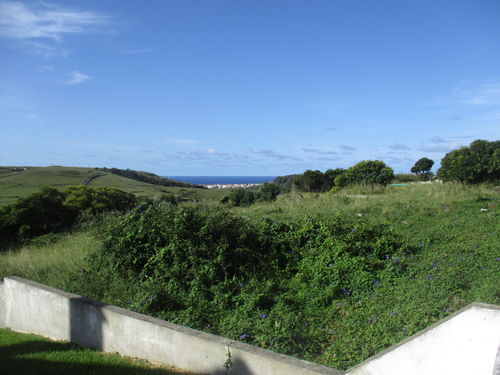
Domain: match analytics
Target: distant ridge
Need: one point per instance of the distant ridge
(150, 178)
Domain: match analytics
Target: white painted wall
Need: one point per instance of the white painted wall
(465, 344)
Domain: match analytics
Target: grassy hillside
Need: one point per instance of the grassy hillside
(19, 183)
(453, 229)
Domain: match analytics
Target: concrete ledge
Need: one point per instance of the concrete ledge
(466, 342)
(2, 306)
(35, 308)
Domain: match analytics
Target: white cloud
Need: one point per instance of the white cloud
(319, 151)
(44, 49)
(272, 154)
(398, 146)
(469, 93)
(19, 21)
(477, 93)
(74, 78)
(40, 27)
(45, 69)
(438, 147)
(437, 140)
(347, 148)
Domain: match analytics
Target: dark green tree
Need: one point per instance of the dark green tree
(367, 171)
(268, 192)
(313, 181)
(40, 213)
(331, 174)
(422, 168)
(241, 197)
(480, 162)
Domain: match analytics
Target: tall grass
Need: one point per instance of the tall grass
(51, 263)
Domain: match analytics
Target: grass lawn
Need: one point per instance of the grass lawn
(24, 354)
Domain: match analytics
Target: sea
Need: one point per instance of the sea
(223, 180)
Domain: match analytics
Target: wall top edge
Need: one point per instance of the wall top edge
(322, 370)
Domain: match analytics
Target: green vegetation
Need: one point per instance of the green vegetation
(16, 182)
(422, 169)
(149, 178)
(245, 197)
(366, 172)
(480, 162)
(334, 271)
(52, 211)
(24, 354)
(332, 278)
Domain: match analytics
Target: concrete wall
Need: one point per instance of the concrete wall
(465, 343)
(2, 306)
(35, 308)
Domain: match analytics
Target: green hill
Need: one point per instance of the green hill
(19, 182)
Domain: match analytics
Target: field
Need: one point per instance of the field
(21, 183)
(452, 227)
(24, 354)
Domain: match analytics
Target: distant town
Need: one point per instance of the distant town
(230, 186)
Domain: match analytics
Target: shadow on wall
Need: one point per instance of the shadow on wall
(86, 330)
(86, 322)
(239, 368)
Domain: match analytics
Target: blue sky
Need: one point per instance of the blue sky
(239, 87)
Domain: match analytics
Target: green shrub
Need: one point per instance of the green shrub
(53, 211)
(480, 162)
(367, 171)
(262, 282)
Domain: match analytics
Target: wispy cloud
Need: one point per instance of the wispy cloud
(34, 116)
(44, 49)
(438, 148)
(347, 148)
(45, 69)
(469, 93)
(319, 151)
(75, 78)
(46, 21)
(272, 154)
(477, 93)
(38, 26)
(398, 146)
(437, 140)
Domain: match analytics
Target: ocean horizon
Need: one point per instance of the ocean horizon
(223, 180)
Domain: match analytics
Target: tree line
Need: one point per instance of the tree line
(476, 163)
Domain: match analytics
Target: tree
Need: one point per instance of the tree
(422, 168)
(480, 162)
(366, 171)
(241, 197)
(313, 181)
(269, 192)
(331, 174)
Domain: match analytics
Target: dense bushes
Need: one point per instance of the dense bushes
(245, 197)
(258, 281)
(368, 172)
(50, 211)
(480, 162)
